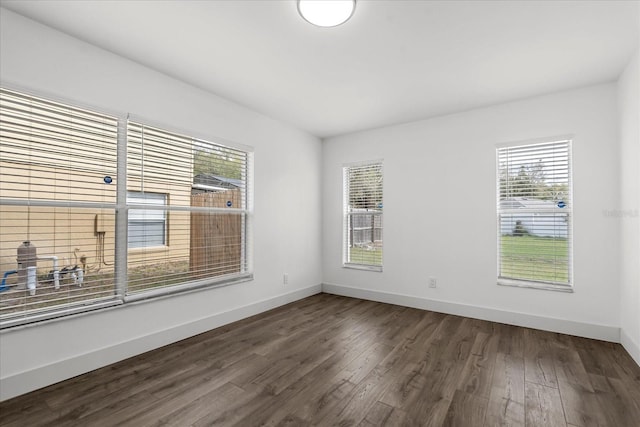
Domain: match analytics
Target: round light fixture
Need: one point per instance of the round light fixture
(326, 13)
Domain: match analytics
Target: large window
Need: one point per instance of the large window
(362, 239)
(97, 210)
(534, 214)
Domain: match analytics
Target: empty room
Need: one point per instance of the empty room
(330, 212)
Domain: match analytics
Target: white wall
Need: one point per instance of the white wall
(287, 221)
(440, 212)
(628, 216)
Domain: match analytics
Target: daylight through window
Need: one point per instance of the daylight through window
(534, 214)
(363, 206)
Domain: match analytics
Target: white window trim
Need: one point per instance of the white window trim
(247, 213)
(531, 284)
(345, 219)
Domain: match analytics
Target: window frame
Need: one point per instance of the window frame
(348, 217)
(119, 208)
(567, 210)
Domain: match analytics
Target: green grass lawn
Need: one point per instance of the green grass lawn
(535, 258)
(365, 256)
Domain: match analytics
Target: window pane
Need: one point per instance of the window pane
(534, 172)
(534, 212)
(203, 245)
(363, 214)
(366, 246)
(204, 226)
(219, 169)
(535, 247)
(57, 206)
(64, 262)
(51, 151)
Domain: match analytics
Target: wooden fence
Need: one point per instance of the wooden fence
(364, 227)
(216, 238)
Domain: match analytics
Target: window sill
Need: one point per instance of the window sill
(364, 267)
(535, 285)
(198, 285)
(20, 320)
(56, 313)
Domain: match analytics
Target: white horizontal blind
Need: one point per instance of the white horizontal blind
(535, 212)
(57, 164)
(363, 206)
(201, 191)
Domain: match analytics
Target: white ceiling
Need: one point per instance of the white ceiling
(393, 62)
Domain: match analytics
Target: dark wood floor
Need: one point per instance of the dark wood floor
(329, 360)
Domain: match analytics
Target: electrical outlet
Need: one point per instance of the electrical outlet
(285, 278)
(433, 283)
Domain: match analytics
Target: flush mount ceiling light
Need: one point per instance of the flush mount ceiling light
(326, 13)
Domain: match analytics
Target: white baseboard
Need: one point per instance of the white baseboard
(43, 376)
(587, 330)
(632, 347)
